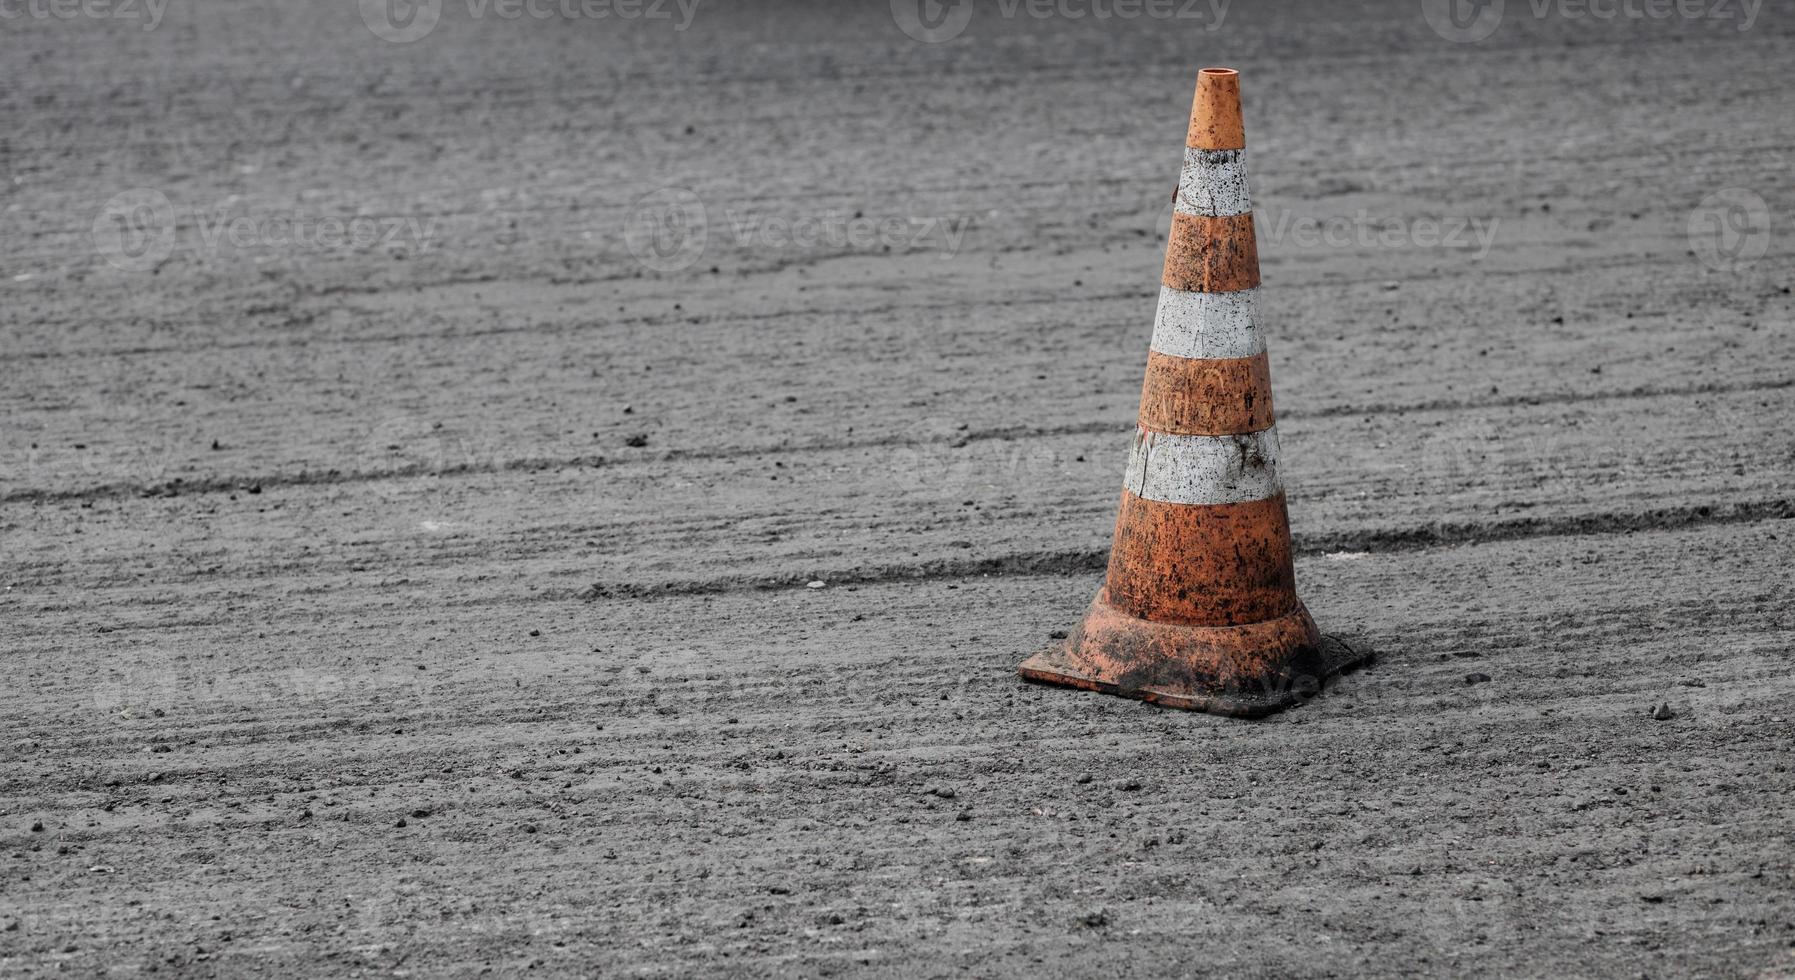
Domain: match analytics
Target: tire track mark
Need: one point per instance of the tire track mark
(1376, 540)
(123, 489)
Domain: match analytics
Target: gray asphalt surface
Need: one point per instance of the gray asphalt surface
(438, 602)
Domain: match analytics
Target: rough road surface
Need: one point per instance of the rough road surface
(439, 603)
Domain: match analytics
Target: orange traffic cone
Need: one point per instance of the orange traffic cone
(1199, 609)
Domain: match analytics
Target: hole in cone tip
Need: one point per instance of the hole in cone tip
(1220, 71)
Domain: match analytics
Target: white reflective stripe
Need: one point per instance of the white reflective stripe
(1212, 325)
(1204, 469)
(1214, 183)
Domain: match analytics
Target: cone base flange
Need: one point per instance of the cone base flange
(1242, 671)
(1054, 666)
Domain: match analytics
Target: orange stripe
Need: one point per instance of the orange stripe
(1206, 397)
(1212, 255)
(1202, 564)
(1215, 113)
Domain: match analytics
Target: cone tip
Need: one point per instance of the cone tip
(1215, 113)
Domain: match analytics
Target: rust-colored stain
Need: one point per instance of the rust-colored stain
(1212, 255)
(1202, 564)
(1206, 396)
(1215, 112)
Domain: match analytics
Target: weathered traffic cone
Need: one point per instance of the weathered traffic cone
(1199, 609)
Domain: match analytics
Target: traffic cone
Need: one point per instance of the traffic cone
(1199, 609)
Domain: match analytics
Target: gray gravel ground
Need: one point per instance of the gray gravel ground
(439, 605)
